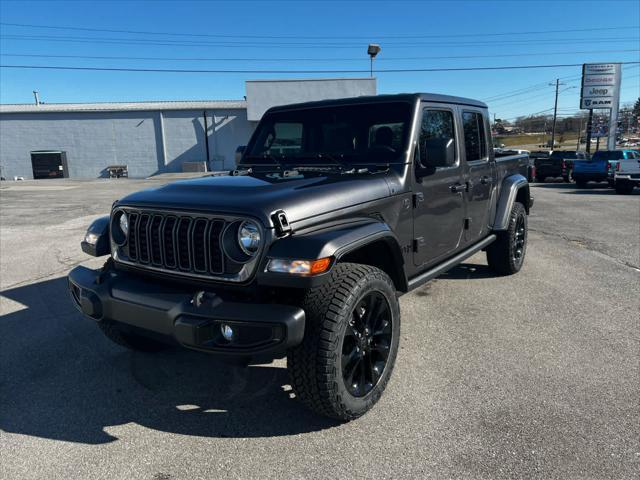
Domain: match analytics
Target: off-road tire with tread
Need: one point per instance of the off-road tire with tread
(501, 253)
(130, 340)
(315, 365)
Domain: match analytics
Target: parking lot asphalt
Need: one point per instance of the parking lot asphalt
(530, 376)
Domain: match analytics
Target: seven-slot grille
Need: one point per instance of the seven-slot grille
(176, 242)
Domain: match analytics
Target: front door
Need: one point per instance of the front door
(480, 173)
(438, 197)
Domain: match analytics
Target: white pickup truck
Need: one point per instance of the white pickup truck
(627, 175)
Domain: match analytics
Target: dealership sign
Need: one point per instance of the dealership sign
(600, 85)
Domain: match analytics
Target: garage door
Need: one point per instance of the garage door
(49, 164)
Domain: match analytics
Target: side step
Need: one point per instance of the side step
(423, 278)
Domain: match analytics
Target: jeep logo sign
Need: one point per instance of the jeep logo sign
(600, 85)
(600, 91)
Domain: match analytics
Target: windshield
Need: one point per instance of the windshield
(350, 134)
(608, 155)
(566, 154)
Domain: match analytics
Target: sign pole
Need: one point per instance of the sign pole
(589, 127)
(615, 106)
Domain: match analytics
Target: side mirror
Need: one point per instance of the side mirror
(439, 152)
(239, 152)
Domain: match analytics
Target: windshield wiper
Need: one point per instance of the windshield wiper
(267, 156)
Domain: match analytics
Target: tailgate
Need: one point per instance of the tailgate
(629, 167)
(587, 166)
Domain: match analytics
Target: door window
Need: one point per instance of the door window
(437, 127)
(475, 143)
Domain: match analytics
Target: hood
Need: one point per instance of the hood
(260, 196)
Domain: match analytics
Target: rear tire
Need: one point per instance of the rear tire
(351, 341)
(129, 340)
(581, 183)
(506, 255)
(624, 188)
(540, 179)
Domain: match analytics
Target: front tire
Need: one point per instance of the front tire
(351, 342)
(581, 183)
(540, 179)
(506, 255)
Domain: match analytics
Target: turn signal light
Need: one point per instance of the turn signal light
(319, 266)
(299, 267)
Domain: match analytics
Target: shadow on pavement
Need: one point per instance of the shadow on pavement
(469, 271)
(61, 379)
(589, 189)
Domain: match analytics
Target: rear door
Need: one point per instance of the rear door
(438, 197)
(480, 173)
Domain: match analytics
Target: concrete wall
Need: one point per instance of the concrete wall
(264, 94)
(94, 140)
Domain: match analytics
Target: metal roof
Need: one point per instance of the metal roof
(123, 106)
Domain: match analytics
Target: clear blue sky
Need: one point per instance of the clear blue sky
(342, 30)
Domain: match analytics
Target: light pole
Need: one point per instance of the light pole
(373, 50)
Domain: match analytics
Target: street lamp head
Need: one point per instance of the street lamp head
(373, 50)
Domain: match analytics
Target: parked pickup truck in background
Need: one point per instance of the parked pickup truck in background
(559, 163)
(627, 174)
(600, 167)
(336, 208)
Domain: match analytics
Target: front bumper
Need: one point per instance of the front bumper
(188, 317)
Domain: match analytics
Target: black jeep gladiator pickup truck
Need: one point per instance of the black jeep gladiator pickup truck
(335, 209)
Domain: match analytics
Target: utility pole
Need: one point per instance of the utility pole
(555, 114)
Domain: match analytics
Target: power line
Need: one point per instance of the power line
(314, 45)
(311, 37)
(308, 59)
(392, 70)
(530, 88)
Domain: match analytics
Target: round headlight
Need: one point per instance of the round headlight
(249, 238)
(119, 227)
(124, 224)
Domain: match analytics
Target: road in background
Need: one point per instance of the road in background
(534, 375)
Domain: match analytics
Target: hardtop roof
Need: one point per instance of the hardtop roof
(399, 97)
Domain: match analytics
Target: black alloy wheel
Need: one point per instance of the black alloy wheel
(519, 239)
(366, 344)
(352, 330)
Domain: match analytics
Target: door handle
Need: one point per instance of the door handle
(485, 179)
(457, 188)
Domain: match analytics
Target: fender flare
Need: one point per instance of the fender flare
(511, 186)
(337, 242)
